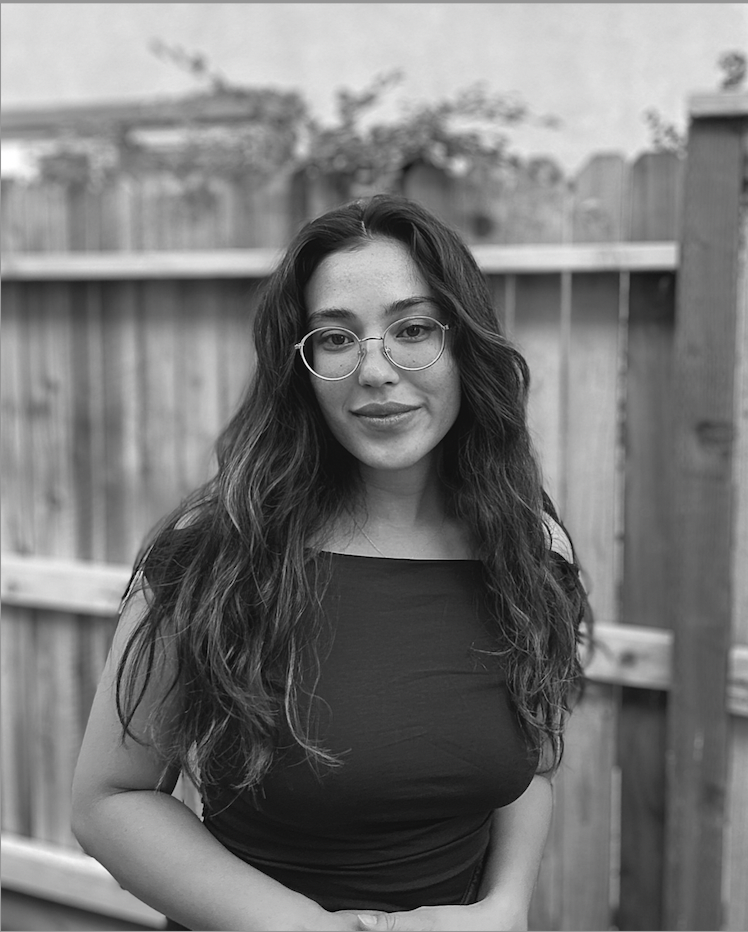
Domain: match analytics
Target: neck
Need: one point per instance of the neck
(403, 514)
(403, 498)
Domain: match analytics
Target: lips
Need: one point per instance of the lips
(385, 409)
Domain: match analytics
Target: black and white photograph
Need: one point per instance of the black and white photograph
(374, 467)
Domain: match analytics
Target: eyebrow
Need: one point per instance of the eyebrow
(344, 314)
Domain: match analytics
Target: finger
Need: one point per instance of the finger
(375, 921)
(380, 922)
(393, 922)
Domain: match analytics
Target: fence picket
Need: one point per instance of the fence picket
(590, 463)
(265, 211)
(528, 209)
(646, 591)
(656, 197)
(235, 345)
(56, 687)
(16, 655)
(159, 437)
(91, 314)
(736, 846)
(17, 529)
(49, 428)
(600, 208)
(538, 332)
(197, 409)
(13, 236)
(703, 593)
(127, 509)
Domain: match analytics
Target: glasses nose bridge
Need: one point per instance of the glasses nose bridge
(363, 352)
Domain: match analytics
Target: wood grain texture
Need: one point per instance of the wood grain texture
(69, 877)
(656, 193)
(585, 805)
(12, 225)
(536, 313)
(235, 345)
(55, 712)
(537, 331)
(125, 503)
(732, 104)
(25, 913)
(50, 455)
(18, 499)
(601, 197)
(593, 482)
(63, 585)
(16, 656)
(736, 836)
(92, 318)
(154, 263)
(645, 591)
(197, 412)
(703, 518)
(159, 437)
(15, 531)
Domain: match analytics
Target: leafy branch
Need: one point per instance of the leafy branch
(457, 134)
(665, 136)
(227, 129)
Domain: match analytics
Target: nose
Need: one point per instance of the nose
(375, 368)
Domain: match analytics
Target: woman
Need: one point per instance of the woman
(361, 637)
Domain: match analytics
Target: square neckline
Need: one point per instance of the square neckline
(383, 559)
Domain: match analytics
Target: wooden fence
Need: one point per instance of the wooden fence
(126, 342)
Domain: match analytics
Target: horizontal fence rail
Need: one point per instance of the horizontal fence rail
(69, 877)
(254, 263)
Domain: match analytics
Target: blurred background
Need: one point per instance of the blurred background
(155, 160)
(597, 67)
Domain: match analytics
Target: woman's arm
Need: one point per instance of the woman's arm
(153, 844)
(518, 836)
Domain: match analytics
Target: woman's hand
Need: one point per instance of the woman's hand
(341, 920)
(476, 917)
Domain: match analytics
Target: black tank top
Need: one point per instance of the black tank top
(428, 741)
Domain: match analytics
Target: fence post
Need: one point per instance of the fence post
(645, 594)
(703, 504)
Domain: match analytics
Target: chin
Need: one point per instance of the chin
(392, 460)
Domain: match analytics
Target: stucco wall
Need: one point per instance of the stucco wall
(596, 66)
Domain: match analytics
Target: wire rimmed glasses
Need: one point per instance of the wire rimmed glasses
(412, 343)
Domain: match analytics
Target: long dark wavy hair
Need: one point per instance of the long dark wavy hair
(233, 574)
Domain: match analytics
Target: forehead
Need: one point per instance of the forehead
(368, 278)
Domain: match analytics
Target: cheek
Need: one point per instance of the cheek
(329, 398)
(452, 393)
(454, 405)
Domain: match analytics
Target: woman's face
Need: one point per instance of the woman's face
(365, 290)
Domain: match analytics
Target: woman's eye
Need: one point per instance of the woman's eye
(415, 331)
(334, 339)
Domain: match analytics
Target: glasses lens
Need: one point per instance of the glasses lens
(332, 352)
(415, 342)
